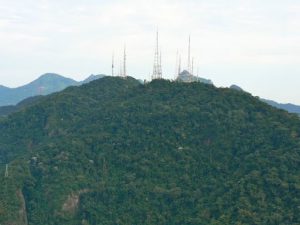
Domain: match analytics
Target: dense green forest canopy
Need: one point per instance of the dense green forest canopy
(118, 152)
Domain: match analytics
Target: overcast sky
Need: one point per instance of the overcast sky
(252, 43)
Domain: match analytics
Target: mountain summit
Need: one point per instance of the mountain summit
(115, 151)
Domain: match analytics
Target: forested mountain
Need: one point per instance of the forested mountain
(6, 110)
(115, 151)
(44, 85)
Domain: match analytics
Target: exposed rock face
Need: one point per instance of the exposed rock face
(71, 204)
(21, 216)
(22, 211)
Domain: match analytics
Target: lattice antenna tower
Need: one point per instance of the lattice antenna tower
(120, 68)
(41, 90)
(189, 56)
(113, 65)
(157, 62)
(160, 65)
(124, 62)
(192, 70)
(179, 65)
(176, 66)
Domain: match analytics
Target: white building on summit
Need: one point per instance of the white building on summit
(187, 77)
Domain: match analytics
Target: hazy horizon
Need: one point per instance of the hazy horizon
(251, 43)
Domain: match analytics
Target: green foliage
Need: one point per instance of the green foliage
(6, 110)
(118, 152)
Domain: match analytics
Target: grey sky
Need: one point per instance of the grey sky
(252, 43)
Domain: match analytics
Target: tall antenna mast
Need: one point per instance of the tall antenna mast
(124, 63)
(157, 73)
(120, 68)
(176, 66)
(160, 66)
(192, 72)
(179, 65)
(41, 89)
(189, 56)
(112, 65)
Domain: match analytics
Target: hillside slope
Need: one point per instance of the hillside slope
(6, 110)
(118, 152)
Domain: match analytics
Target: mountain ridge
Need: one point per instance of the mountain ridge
(8, 98)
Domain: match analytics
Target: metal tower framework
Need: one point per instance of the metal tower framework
(189, 56)
(179, 65)
(124, 63)
(120, 68)
(157, 71)
(113, 65)
(176, 66)
(192, 68)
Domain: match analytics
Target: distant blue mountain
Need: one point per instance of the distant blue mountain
(44, 85)
(288, 107)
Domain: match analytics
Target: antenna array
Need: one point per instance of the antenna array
(157, 65)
